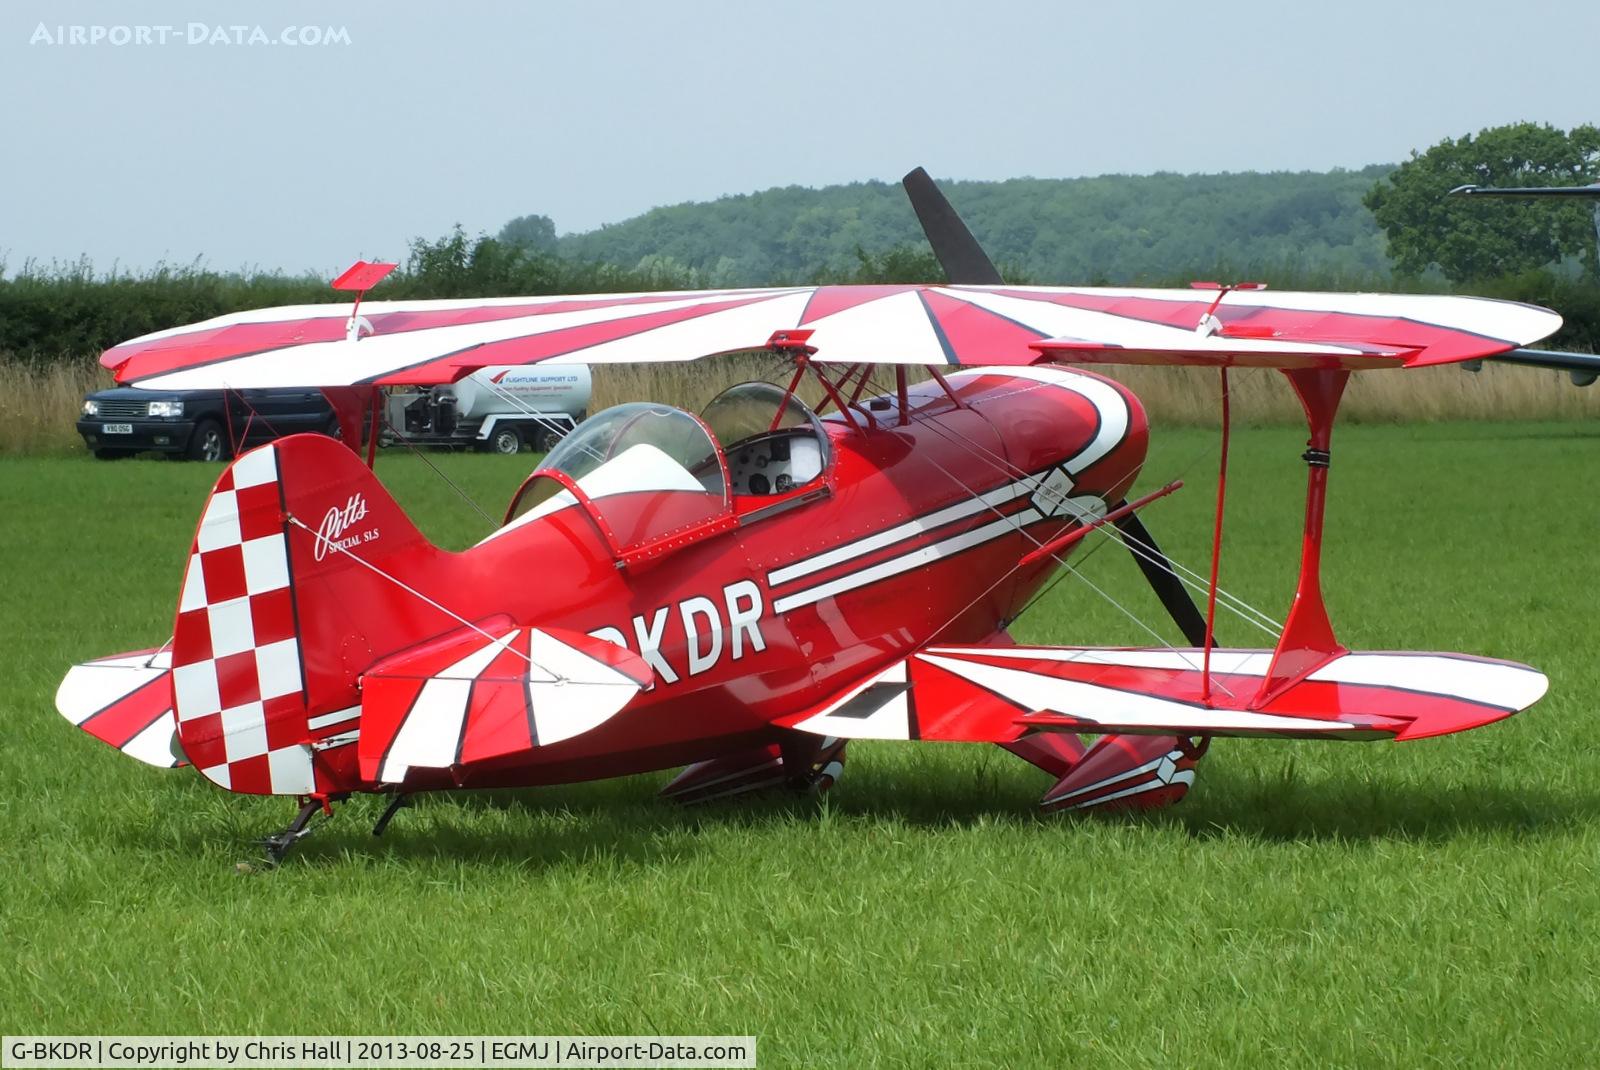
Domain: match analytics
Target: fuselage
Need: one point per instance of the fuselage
(914, 540)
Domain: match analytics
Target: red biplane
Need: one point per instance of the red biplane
(743, 590)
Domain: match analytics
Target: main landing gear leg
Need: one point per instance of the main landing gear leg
(811, 764)
(278, 844)
(396, 804)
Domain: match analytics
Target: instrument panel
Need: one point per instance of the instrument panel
(774, 463)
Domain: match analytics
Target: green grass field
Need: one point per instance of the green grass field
(1335, 903)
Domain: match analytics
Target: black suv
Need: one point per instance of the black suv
(204, 425)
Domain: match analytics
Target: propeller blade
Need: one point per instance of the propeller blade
(958, 252)
(1159, 573)
(966, 264)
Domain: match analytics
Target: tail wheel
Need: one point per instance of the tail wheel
(208, 443)
(506, 440)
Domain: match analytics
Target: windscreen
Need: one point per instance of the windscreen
(650, 471)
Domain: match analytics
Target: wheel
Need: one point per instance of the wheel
(506, 440)
(208, 443)
(333, 430)
(549, 439)
(112, 455)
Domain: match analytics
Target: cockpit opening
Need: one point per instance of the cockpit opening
(773, 442)
(651, 475)
(633, 452)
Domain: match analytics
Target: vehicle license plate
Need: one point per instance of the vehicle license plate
(116, 429)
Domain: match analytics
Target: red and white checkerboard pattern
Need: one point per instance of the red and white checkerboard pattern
(236, 675)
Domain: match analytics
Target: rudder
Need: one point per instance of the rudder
(296, 537)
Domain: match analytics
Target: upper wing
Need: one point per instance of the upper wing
(1529, 191)
(424, 342)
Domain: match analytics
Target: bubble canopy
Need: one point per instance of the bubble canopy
(652, 475)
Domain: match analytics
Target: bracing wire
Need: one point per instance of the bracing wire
(1021, 530)
(412, 446)
(1196, 582)
(324, 541)
(1230, 602)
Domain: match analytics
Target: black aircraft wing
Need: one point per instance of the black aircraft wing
(1582, 368)
(1527, 191)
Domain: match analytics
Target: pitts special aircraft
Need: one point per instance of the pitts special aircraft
(745, 590)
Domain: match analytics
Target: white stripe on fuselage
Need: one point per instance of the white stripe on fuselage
(1106, 398)
(1108, 403)
(923, 555)
(908, 530)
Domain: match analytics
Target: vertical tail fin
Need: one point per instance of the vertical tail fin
(298, 579)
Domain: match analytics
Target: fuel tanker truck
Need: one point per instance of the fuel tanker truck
(502, 408)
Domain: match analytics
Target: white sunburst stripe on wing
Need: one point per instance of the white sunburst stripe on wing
(1108, 706)
(1488, 317)
(1227, 662)
(894, 329)
(1112, 329)
(1491, 683)
(344, 362)
(1514, 322)
(746, 326)
(880, 708)
(340, 310)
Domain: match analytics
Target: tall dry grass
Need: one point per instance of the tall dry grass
(688, 385)
(1187, 396)
(39, 403)
(1423, 395)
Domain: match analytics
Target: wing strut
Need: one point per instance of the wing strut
(1308, 641)
(1216, 539)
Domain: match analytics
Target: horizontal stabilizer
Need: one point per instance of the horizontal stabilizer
(473, 696)
(125, 700)
(994, 694)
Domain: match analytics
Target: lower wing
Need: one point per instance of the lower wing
(997, 694)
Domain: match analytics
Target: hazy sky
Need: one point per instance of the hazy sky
(308, 156)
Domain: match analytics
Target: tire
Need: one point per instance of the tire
(208, 443)
(507, 440)
(112, 455)
(333, 430)
(549, 439)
